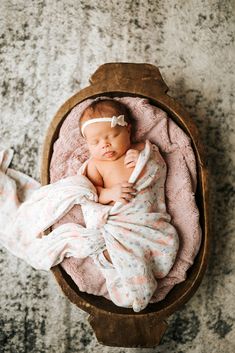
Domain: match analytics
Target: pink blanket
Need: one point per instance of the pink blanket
(175, 146)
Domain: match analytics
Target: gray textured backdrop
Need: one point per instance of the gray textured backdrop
(48, 51)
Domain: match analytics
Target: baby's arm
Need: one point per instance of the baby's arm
(94, 176)
(121, 192)
(105, 195)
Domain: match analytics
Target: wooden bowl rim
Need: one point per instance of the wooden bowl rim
(172, 107)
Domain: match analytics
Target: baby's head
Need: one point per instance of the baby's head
(100, 136)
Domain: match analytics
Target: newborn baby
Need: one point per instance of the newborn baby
(113, 156)
(140, 243)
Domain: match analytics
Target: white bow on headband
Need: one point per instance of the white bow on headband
(115, 120)
(118, 120)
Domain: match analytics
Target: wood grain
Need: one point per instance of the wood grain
(115, 326)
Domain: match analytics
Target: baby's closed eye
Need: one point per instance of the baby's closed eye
(116, 134)
(93, 143)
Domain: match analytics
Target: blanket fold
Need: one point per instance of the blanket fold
(138, 236)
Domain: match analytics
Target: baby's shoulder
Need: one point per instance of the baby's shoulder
(91, 165)
(90, 162)
(93, 173)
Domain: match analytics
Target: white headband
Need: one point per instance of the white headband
(115, 120)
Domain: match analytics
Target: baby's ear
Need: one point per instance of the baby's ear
(129, 127)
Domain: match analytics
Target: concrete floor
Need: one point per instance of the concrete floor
(48, 50)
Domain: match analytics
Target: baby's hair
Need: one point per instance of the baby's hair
(100, 106)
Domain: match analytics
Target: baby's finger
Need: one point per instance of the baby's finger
(127, 184)
(122, 200)
(134, 154)
(131, 151)
(126, 196)
(129, 159)
(128, 189)
(131, 164)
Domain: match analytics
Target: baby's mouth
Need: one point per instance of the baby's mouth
(109, 153)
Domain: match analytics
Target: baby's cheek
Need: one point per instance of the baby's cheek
(93, 151)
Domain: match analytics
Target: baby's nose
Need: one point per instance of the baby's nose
(106, 144)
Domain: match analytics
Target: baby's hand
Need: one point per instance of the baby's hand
(131, 158)
(123, 192)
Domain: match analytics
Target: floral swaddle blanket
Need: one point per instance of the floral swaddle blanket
(138, 236)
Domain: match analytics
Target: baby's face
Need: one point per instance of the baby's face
(107, 143)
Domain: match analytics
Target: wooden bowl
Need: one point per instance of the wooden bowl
(113, 325)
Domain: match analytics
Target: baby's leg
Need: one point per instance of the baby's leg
(118, 294)
(124, 296)
(121, 294)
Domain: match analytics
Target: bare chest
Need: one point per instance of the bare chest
(114, 172)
